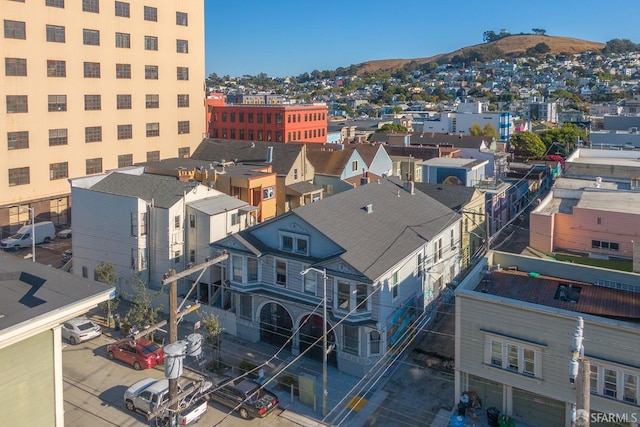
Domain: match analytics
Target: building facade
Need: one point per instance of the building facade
(91, 86)
(515, 321)
(264, 122)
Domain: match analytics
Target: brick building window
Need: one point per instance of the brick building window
(94, 166)
(57, 137)
(91, 37)
(123, 102)
(19, 176)
(15, 66)
(92, 134)
(56, 68)
(125, 132)
(58, 171)
(55, 33)
(17, 140)
(16, 30)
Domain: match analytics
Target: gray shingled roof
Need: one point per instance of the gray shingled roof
(249, 152)
(375, 242)
(165, 191)
(452, 196)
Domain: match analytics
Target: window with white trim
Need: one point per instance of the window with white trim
(292, 242)
(252, 270)
(350, 296)
(616, 382)
(350, 339)
(513, 355)
(311, 282)
(268, 193)
(394, 285)
(236, 268)
(374, 343)
(281, 272)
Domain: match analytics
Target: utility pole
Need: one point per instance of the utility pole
(579, 374)
(172, 281)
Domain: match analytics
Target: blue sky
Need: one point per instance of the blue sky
(289, 37)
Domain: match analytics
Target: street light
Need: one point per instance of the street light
(324, 334)
(33, 229)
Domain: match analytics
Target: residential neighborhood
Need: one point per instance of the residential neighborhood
(330, 241)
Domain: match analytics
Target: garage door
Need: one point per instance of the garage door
(535, 410)
(490, 392)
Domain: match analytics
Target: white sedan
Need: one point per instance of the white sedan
(80, 329)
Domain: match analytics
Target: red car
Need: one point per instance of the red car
(140, 353)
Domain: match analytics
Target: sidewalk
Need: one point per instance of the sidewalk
(234, 350)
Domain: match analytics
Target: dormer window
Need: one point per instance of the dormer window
(295, 243)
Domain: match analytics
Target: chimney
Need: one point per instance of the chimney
(409, 186)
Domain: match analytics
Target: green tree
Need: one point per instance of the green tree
(475, 129)
(567, 136)
(392, 127)
(105, 273)
(527, 145)
(142, 312)
(490, 131)
(539, 31)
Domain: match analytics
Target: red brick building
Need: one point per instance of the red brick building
(263, 122)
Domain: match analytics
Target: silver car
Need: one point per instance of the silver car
(80, 329)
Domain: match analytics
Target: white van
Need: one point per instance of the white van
(44, 232)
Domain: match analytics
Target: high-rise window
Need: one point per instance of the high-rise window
(184, 127)
(92, 6)
(91, 37)
(152, 101)
(150, 13)
(92, 102)
(93, 134)
(182, 46)
(58, 137)
(15, 66)
(17, 140)
(183, 100)
(14, 30)
(150, 43)
(183, 73)
(57, 103)
(19, 176)
(55, 33)
(94, 166)
(123, 71)
(125, 160)
(58, 170)
(92, 70)
(55, 3)
(123, 40)
(151, 72)
(56, 68)
(182, 19)
(153, 129)
(122, 9)
(153, 156)
(123, 102)
(125, 132)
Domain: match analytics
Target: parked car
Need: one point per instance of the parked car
(66, 256)
(249, 397)
(44, 232)
(139, 353)
(65, 234)
(150, 395)
(80, 329)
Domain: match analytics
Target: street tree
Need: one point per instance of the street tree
(490, 131)
(527, 145)
(475, 129)
(142, 312)
(105, 273)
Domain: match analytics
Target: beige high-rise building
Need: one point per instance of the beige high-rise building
(93, 85)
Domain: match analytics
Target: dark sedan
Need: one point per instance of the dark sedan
(248, 397)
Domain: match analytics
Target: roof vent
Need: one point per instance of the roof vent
(369, 208)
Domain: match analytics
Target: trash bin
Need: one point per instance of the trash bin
(493, 416)
(462, 409)
(116, 320)
(456, 420)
